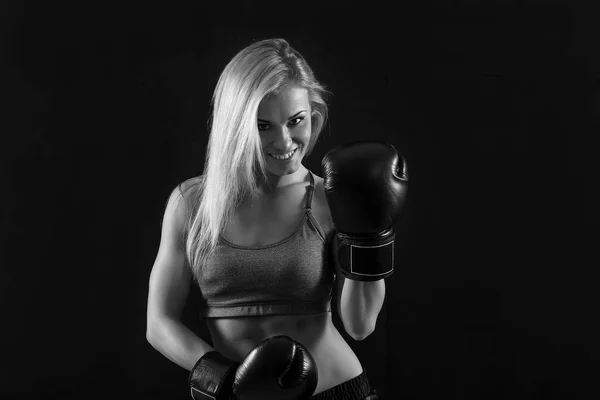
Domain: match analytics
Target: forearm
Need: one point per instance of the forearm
(360, 304)
(176, 342)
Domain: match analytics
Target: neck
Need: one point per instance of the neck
(277, 182)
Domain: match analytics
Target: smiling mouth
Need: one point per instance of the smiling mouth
(283, 157)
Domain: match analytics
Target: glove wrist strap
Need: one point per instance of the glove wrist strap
(366, 258)
(212, 377)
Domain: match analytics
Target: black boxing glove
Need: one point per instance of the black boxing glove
(365, 185)
(212, 377)
(279, 368)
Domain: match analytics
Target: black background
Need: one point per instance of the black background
(493, 103)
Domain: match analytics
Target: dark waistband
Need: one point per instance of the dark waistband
(354, 389)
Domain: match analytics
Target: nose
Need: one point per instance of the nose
(283, 139)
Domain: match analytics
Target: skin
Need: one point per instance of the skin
(284, 123)
(268, 217)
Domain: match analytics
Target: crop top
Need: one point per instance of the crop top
(291, 276)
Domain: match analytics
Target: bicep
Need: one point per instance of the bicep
(330, 229)
(170, 278)
(339, 278)
(339, 284)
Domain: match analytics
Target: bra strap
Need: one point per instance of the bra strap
(310, 189)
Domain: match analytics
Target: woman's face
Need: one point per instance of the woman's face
(284, 125)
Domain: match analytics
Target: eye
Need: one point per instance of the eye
(296, 120)
(263, 127)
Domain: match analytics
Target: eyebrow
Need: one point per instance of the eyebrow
(292, 117)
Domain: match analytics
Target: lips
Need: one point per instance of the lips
(284, 156)
(284, 153)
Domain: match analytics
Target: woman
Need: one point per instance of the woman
(254, 232)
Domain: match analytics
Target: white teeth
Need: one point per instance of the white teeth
(284, 156)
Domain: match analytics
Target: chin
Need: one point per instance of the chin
(283, 172)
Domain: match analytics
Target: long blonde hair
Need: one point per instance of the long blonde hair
(234, 160)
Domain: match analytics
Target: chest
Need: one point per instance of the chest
(264, 221)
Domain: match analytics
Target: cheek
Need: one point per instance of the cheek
(306, 131)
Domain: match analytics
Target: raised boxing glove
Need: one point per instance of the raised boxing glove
(365, 184)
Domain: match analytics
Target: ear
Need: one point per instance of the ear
(316, 120)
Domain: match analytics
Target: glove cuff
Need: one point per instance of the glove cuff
(366, 258)
(212, 377)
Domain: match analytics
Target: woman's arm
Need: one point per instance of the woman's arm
(359, 306)
(168, 291)
(358, 303)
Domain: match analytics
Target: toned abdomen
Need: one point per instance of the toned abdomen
(336, 361)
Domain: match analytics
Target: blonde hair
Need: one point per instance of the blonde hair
(234, 158)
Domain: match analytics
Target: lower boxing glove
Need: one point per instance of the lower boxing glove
(278, 368)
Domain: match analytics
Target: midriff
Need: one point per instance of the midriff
(336, 361)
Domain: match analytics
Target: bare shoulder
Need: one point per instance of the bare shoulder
(180, 201)
(188, 189)
(190, 185)
(321, 207)
(319, 191)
